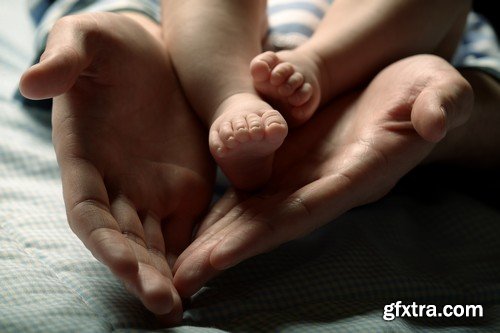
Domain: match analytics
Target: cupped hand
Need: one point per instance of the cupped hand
(135, 169)
(352, 153)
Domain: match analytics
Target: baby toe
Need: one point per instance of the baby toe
(301, 95)
(281, 73)
(293, 83)
(226, 134)
(217, 147)
(262, 65)
(240, 128)
(255, 127)
(274, 125)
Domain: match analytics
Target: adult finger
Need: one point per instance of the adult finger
(228, 201)
(90, 218)
(67, 54)
(445, 103)
(154, 290)
(212, 223)
(244, 236)
(153, 282)
(194, 267)
(296, 215)
(174, 317)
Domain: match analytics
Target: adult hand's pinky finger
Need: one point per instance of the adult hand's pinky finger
(99, 232)
(112, 249)
(90, 218)
(174, 317)
(154, 289)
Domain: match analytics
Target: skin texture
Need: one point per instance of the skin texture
(245, 131)
(476, 145)
(135, 169)
(353, 42)
(115, 145)
(351, 153)
(349, 47)
(290, 81)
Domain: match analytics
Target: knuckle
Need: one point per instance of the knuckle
(87, 212)
(65, 22)
(297, 203)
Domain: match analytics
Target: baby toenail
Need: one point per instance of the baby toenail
(273, 122)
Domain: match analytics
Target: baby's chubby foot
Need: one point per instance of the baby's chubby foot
(289, 80)
(244, 137)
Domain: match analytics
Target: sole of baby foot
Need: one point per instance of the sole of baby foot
(244, 138)
(289, 80)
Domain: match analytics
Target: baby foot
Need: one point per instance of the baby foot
(244, 137)
(290, 81)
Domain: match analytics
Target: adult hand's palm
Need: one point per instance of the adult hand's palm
(136, 172)
(351, 153)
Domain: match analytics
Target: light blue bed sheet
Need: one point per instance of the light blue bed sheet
(444, 248)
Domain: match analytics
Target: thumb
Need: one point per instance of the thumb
(441, 106)
(66, 55)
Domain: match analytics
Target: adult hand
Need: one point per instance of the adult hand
(135, 169)
(352, 153)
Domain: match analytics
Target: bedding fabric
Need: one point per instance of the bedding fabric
(435, 239)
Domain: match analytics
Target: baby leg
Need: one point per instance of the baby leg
(212, 42)
(354, 41)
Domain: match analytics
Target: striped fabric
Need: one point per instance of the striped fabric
(55, 9)
(479, 47)
(292, 22)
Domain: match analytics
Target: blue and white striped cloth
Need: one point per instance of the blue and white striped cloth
(291, 23)
(46, 12)
(479, 47)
